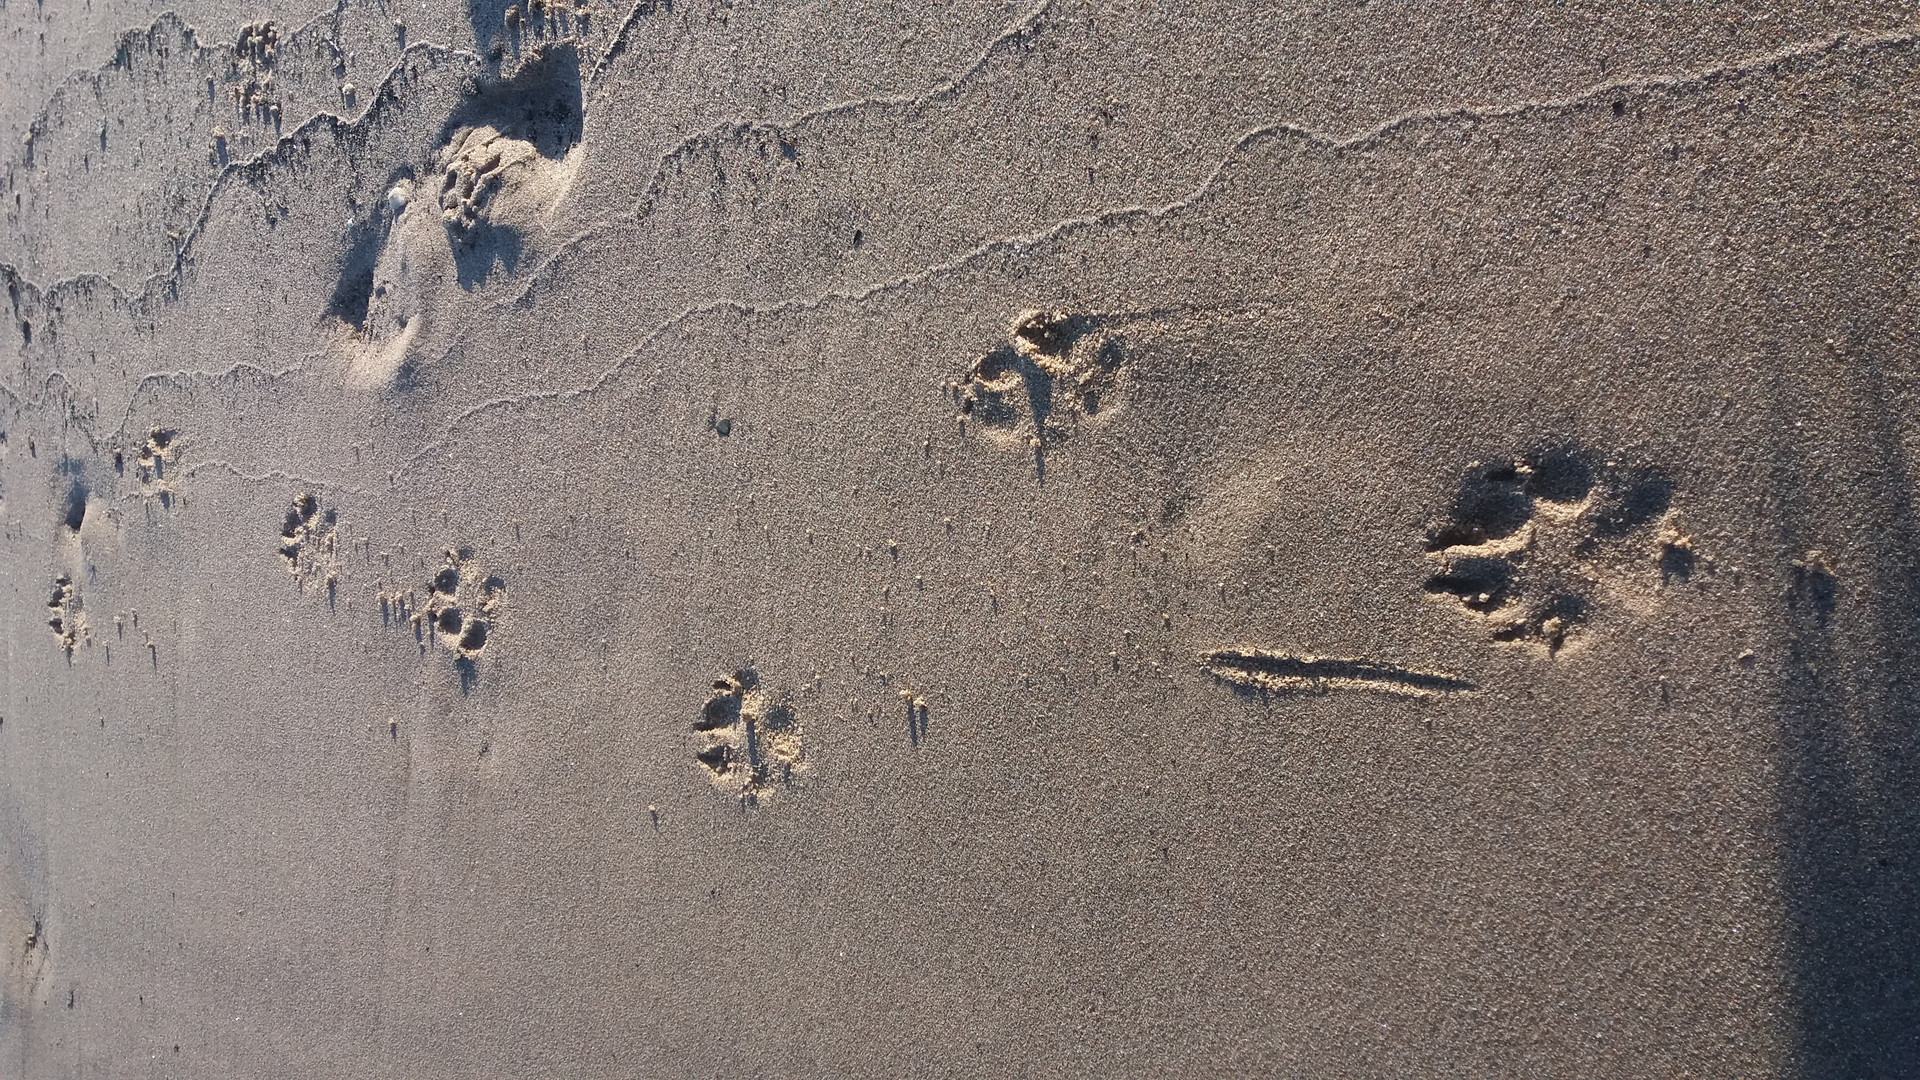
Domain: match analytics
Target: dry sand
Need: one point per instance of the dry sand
(721, 538)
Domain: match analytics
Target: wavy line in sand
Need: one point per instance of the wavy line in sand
(1019, 243)
(1024, 242)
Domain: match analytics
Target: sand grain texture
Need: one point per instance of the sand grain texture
(685, 539)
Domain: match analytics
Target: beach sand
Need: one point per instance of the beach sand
(979, 539)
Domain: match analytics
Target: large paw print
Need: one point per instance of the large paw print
(463, 602)
(479, 162)
(1527, 540)
(1056, 368)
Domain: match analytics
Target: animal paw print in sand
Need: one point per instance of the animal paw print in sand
(1056, 368)
(155, 453)
(150, 467)
(479, 162)
(308, 542)
(751, 740)
(258, 45)
(463, 604)
(1529, 540)
(31, 961)
(250, 79)
(64, 615)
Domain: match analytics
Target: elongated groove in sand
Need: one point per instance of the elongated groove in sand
(1287, 673)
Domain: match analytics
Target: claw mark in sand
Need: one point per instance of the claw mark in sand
(1286, 673)
(33, 955)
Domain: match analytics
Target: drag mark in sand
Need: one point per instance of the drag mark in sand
(1286, 673)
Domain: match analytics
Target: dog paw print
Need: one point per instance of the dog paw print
(1056, 369)
(259, 43)
(1528, 541)
(308, 542)
(250, 77)
(65, 616)
(478, 163)
(161, 448)
(463, 602)
(750, 740)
